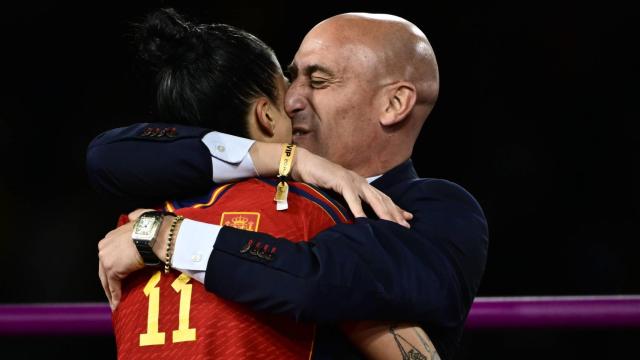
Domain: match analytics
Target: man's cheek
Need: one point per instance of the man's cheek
(319, 143)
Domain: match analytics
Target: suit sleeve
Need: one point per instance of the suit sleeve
(373, 269)
(134, 166)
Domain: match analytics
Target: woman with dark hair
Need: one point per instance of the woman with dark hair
(212, 75)
(221, 77)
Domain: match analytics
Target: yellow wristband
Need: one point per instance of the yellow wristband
(282, 189)
(286, 160)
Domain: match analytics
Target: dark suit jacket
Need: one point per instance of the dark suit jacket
(373, 269)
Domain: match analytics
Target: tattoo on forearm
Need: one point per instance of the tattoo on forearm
(410, 351)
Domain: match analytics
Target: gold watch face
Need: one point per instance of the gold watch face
(146, 228)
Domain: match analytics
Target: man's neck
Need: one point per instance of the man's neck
(377, 168)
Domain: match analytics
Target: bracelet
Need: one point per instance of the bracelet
(282, 189)
(174, 223)
(286, 160)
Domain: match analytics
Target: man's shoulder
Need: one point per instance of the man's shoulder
(438, 189)
(438, 185)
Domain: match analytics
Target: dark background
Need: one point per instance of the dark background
(537, 117)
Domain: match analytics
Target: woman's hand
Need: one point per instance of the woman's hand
(313, 169)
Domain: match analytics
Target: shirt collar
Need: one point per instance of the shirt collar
(373, 178)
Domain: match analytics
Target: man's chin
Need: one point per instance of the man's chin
(308, 141)
(302, 140)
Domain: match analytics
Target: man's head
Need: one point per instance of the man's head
(362, 86)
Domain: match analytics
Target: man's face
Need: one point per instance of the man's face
(331, 97)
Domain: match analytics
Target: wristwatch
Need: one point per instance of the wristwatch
(145, 232)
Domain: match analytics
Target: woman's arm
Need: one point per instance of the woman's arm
(386, 340)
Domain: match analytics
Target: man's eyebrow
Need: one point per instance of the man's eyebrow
(292, 69)
(317, 68)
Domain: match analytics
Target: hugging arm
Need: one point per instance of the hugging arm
(147, 163)
(135, 168)
(372, 269)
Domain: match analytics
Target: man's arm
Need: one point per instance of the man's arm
(145, 164)
(369, 270)
(372, 269)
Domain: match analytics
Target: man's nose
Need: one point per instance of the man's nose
(294, 100)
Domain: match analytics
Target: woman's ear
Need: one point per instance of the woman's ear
(398, 100)
(265, 122)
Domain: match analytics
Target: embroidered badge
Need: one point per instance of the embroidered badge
(241, 220)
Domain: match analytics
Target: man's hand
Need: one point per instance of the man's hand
(118, 257)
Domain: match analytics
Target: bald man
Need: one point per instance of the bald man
(382, 81)
(362, 86)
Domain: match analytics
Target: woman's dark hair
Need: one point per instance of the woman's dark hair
(206, 75)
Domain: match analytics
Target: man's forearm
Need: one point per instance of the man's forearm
(339, 276)
(369, 270)
(139, 166)
(135, 169)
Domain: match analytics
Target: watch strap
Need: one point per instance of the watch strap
(146, 252)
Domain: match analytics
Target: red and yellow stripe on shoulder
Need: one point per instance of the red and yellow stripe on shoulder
(336, 211)
(343, 215)
(213, 197)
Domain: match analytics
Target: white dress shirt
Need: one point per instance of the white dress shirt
(229, 156)
(231, 161)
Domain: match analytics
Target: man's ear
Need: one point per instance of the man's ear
(264, 121)
(399, 99)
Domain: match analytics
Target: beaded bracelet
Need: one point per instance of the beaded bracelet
(174, 223)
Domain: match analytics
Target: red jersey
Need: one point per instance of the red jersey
(171, 316)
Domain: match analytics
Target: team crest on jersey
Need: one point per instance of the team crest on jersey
(241, 220)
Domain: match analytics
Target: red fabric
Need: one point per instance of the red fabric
(224, 330)
(123, 219)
